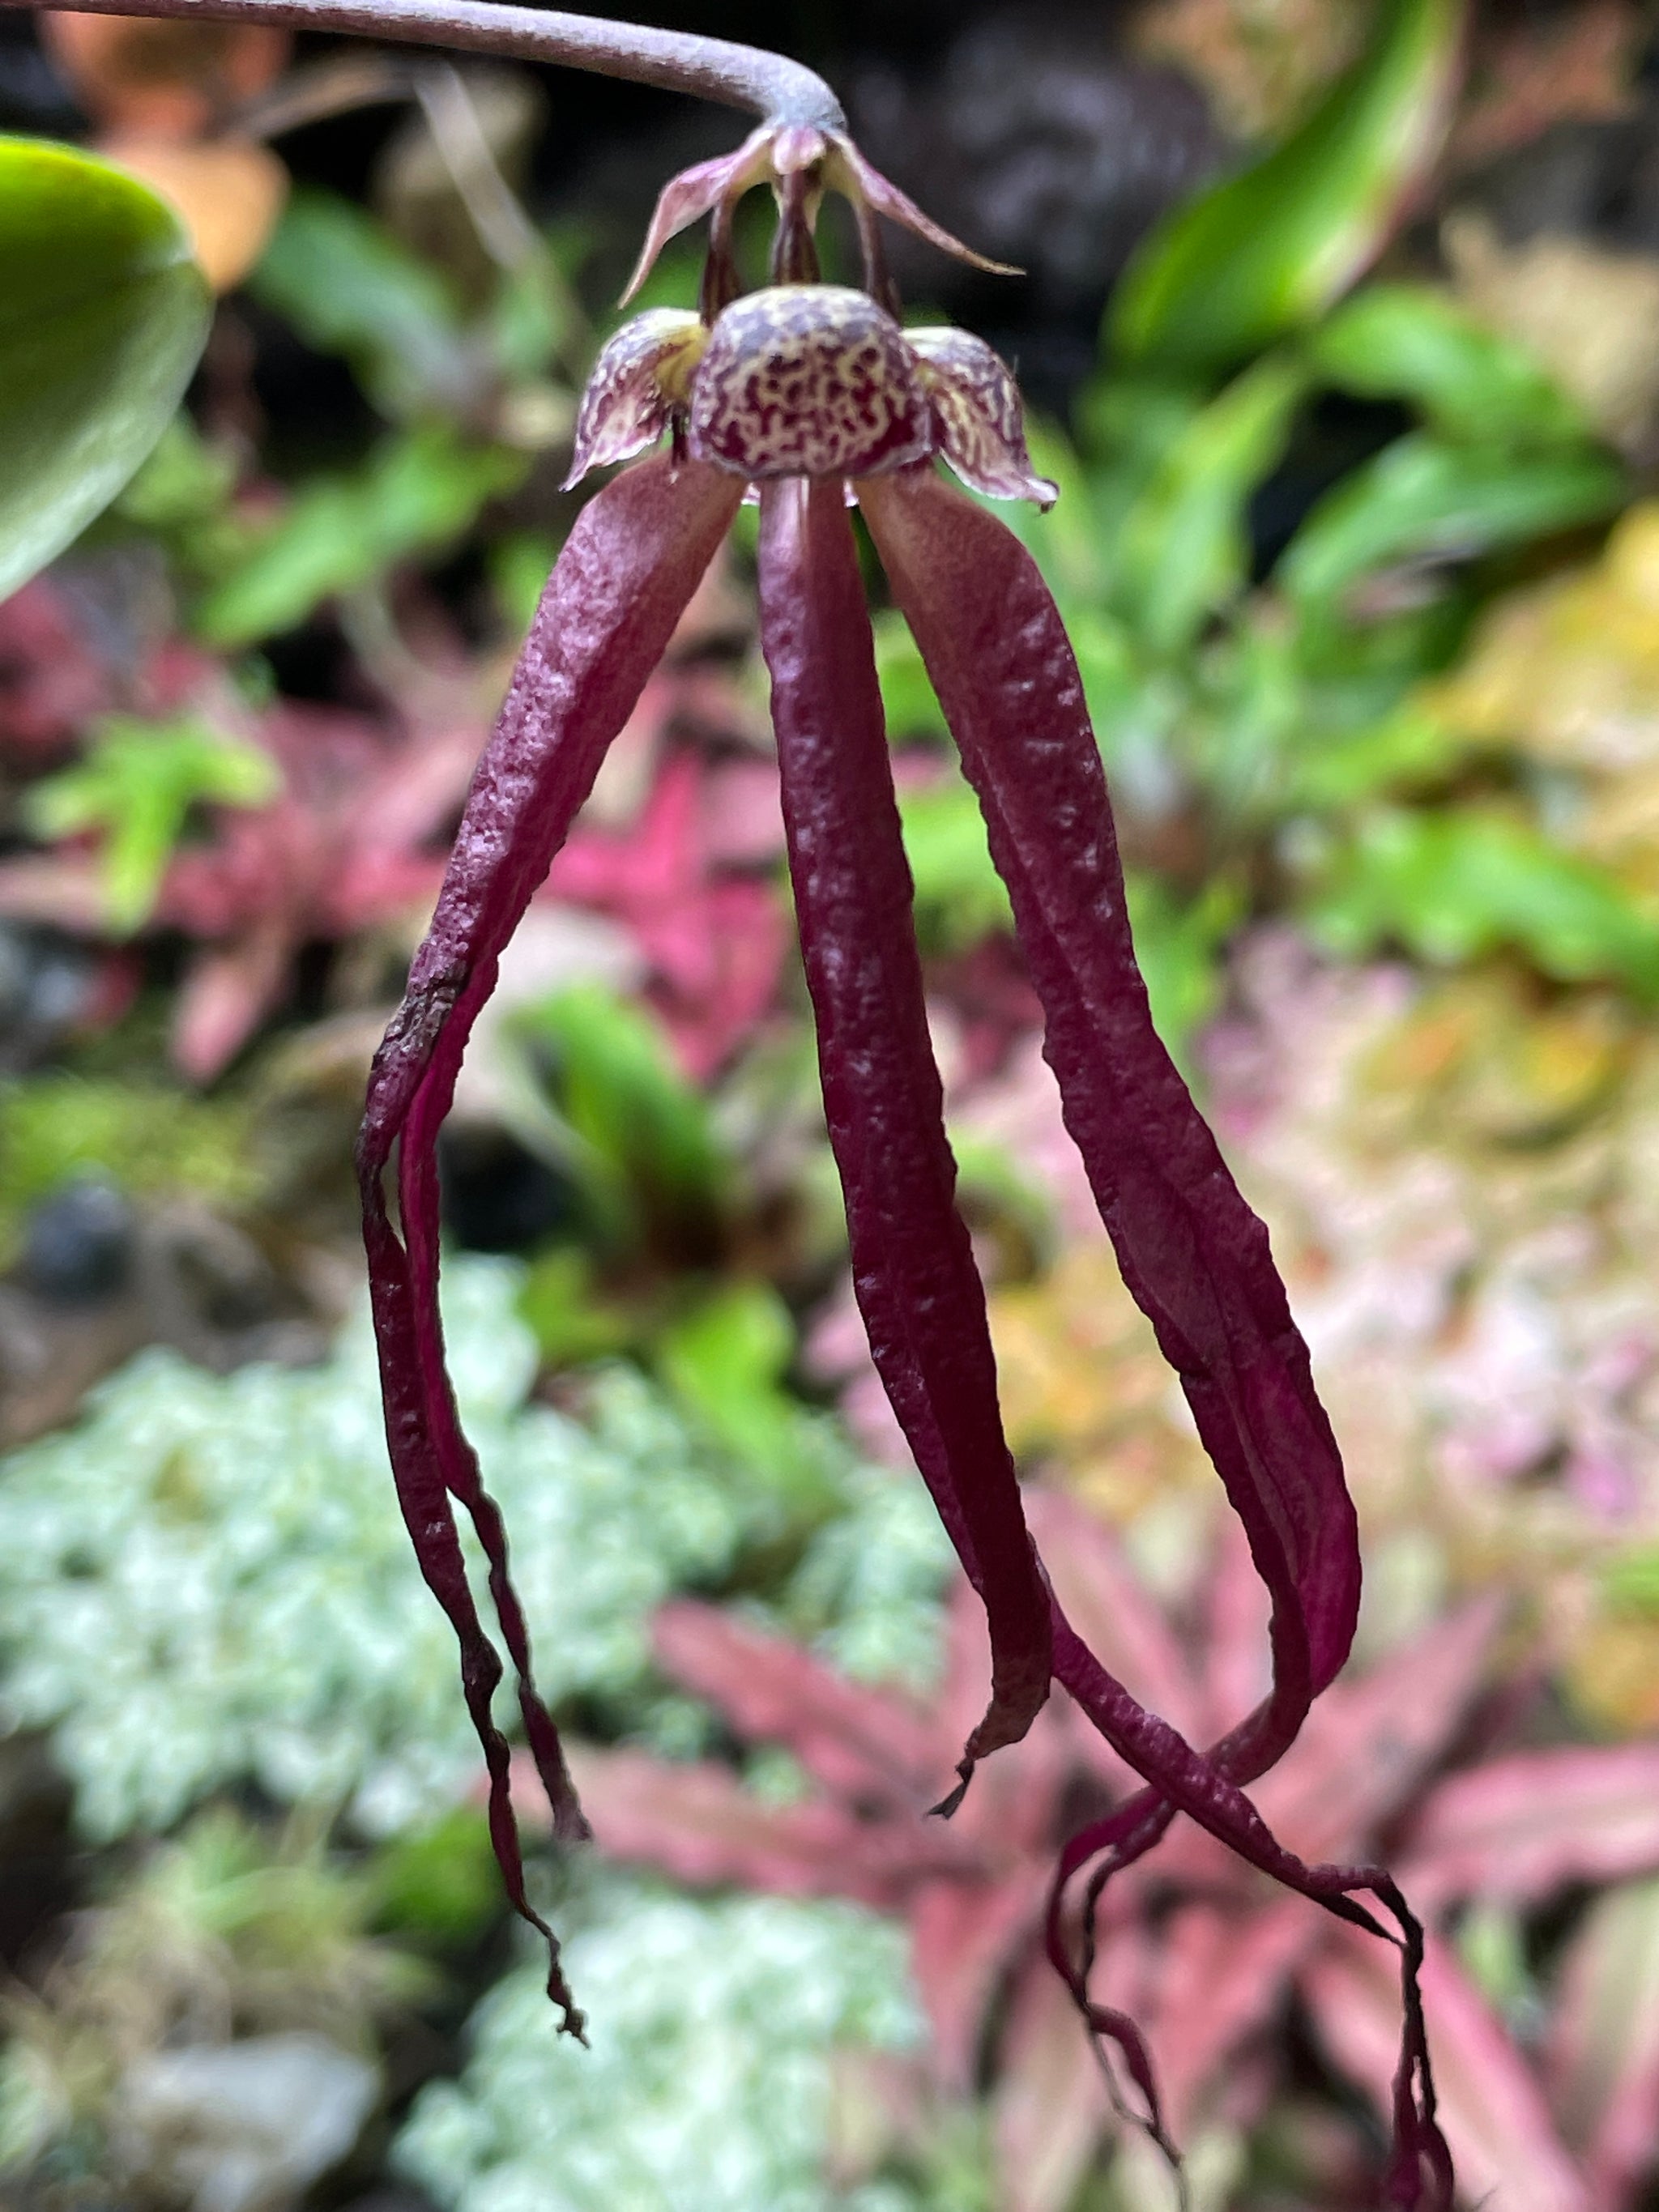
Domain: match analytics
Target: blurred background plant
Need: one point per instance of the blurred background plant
(1340, 323)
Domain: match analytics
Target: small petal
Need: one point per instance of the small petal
(848, 171)
(808, 380)
(694, 191)
(980, 414)
(642, 375)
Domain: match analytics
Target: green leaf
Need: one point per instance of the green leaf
(1267, 251)
(150, 1140)
(418, 492)
(1408, 342)
(519, 565)
(1422, 499)
(725, 1361)
(572, 1320)
(907, 692)
(959, 897)
(1177, 949)
(645, 1147)
(1341, 770)
(1454, 887)
(138, 784)
(103, 314)
(348, 287)
(439, 1883)
(1184, 549)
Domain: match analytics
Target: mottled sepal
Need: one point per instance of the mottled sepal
(980, 415)
(641, 378)
(808, 380)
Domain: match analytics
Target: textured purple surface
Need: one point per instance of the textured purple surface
(913, 1269)
(630, 565)
(1193, 1253)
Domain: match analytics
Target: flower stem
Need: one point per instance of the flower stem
(764, 84)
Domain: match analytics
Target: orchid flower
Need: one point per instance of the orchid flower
(813, 397)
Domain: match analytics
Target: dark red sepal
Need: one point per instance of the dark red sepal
(631, 563)
(1193, 1253)
(913, 1268)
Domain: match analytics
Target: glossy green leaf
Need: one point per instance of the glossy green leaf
(1453, 887)
(138, 786)
(103, 313)
(1408, 342)
(1184, 549)
(1267, 251)
(1423, 499)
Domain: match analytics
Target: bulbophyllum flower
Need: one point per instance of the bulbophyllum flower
(811, 396)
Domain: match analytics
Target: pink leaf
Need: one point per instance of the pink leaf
(698, 1823)
(1603, 2062)
(868, 1744)
(964, 1937)
(1522, 1827)
(1223, 1974)
(1050, 2106)
(1492, 2108)
(1369, 1741)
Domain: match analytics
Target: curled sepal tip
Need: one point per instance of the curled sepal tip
(980, 415)
(643, 375)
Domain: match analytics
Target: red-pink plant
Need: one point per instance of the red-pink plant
(1206, 1955)
(713, 940)
(810, 393)
(353, 840)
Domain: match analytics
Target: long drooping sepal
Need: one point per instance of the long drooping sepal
(913, 1268)
(1193, 1253)
(630, 565)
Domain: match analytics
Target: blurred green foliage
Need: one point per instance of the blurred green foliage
(153, 1140)
(1262, 706)
(598, 1090)
(1265, 252)
(137, 783)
